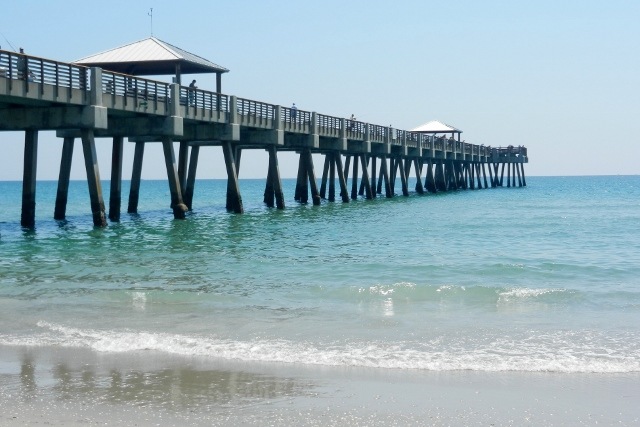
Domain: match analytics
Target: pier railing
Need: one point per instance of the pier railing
(330, 126)
(255, 113)
(41, 71)
(295, 120)
(123, 90)
(378, 133)
(509, 151)
(204, 104)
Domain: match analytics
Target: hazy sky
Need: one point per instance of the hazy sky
(558, 76)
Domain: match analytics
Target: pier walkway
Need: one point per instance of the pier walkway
(38, 94)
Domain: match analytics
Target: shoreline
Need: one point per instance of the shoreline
(71, 386)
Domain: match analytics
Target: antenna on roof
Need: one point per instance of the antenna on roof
(151, 15)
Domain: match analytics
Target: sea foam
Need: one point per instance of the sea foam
(557, 352)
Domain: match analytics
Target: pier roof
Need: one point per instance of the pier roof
(436, 126)
(151, 57)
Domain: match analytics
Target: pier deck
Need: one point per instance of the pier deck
(38, 94)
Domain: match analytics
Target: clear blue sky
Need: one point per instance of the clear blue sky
(560, 77)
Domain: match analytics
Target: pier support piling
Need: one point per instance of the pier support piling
(344, 193)
(393, 173)
(332, 175)
(191, 176)
(177, 204)
(62, 195)
(136, 174)
(373, 176)
(93, 178)
(385, 177)
(491, 179)
(233, 187)
(275, 176)
(325, 173)
(430, 181)
(315, 194)
(302, 187)
(183, 158)
(477, 167)
(354, 178)
(115, 192)
(273, 187)
(418, 169)
(347, 163)
(237, 156)
(439, 176)
(28, 215)
(365, 177)
(269, 193)
(403, 177)
(484, 176)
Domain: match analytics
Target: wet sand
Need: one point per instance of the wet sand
(73, 387)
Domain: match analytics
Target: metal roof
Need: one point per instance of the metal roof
(149, 57)
(435, 126)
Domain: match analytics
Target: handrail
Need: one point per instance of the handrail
(33, 69)
(135, 89)
(355, 127)
(247, 107)
(295, 116)
(329, 122)
(511, 150)
(203, 99)
(378, 133)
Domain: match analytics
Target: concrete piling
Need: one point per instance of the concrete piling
(233, 187)
(63, 179)
(93, 178)
(28, 215)
(115, 196)
(136, 174)
(344, 194)
(177, 204)
(191, 176)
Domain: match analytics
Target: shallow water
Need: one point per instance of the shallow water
(541, 278)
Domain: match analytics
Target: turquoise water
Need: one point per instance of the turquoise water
(541, 278)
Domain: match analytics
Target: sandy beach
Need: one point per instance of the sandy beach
(65, 386)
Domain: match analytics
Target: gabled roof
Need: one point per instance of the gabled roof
(435, 126)
(150, 57)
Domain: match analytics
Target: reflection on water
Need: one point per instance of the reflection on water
(174, 387)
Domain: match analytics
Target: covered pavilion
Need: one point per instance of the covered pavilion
(435, 127)
(153, 57)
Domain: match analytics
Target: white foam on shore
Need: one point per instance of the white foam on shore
(559, 352)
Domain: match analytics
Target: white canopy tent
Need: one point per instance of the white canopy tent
(435, 127)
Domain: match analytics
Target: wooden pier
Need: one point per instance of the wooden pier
(38, 94)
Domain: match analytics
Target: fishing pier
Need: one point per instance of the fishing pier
(89, 102)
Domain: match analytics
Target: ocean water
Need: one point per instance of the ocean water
(544, 278)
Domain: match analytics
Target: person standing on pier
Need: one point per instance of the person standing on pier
(294, 112)
(192, 92)
(23, 68)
